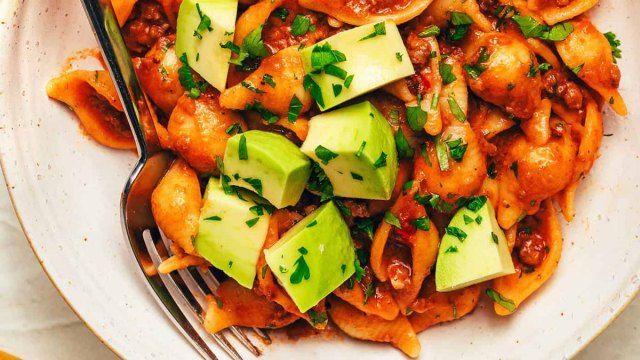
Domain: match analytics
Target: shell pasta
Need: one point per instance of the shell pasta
(358, 153)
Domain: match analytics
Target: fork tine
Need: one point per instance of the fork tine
(190, 325)
(213, 284)
(200, 295)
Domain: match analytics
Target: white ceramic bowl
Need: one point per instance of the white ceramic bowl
(66, 190)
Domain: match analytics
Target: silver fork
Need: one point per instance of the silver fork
(181, 295)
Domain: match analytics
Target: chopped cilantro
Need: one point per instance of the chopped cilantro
(421, 223)
(446, 73)
(457, 232)
(268, 79)
(252, 222)
(381, 161)
(325, 155)
(431, 30)
(392, 220)
(243, 154)
(501, 300)
(300, 25)
(378, 30)
(295, 106)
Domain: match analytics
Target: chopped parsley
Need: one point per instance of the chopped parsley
(186, 79)
(313, 223)
(295, 106)
(361, 149)
(313, 88)
(451, 249)
(356, 176)
(534, 70)
(213, 218)
(363, 226)
(494, 237)
(268, 79)
(381, 161)
(457, 149)
(300, 25)
(497, 298)
(616, 52)
(359, 269)
(416, 117)
(404, 149)
(475, 203)
(204, 25)
(333, 70)
(325, 155)
(378, 30)
(234, 128)
(457, 232)
(301, 268)
(259, 209)
(251, 87)
(576, 70)
(348, 81)
(421, 223)
(460, 24)
(252, 49)
(446, 73)
(318, 318)
(369, 291)
(337, 89)
(318, 182)
(455, 108)
(392, 220)
(256, 184)
(243, 154)
(531, 28)
(399, 57)
(252, 222)
(441, 154)
(431, 30)
(476, 69)
(467, 219)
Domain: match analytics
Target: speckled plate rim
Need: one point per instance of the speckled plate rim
(44, 267)
(600, 321)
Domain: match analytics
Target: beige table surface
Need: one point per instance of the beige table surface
(35, 323)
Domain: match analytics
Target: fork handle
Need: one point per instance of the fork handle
(107, 31)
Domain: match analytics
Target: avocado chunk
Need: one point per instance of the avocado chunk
(354, 62)
(233, 228)
(473, 249)
(356, 149)
(314, 257)
(267, 164)
(202, 26)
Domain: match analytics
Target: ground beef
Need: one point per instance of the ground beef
(145, 26)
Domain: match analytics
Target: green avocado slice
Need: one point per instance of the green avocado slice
(473, 249)
(354, 62)
(232, 231)
(202, 26)
(314, 257)
(267, 164)
(356, 149)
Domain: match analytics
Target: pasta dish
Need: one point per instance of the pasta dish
(372, 166)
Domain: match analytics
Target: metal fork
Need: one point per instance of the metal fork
(180, 295)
